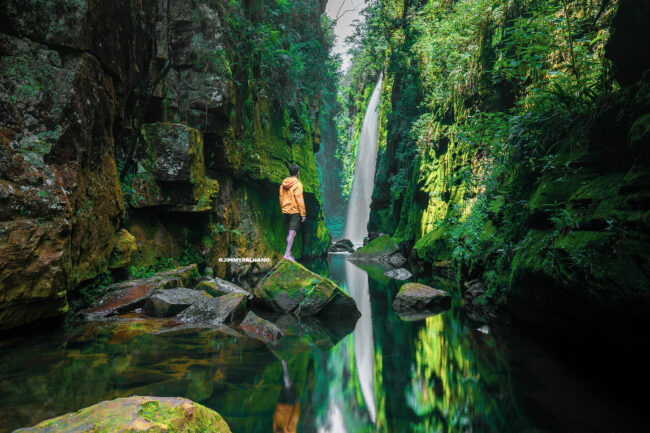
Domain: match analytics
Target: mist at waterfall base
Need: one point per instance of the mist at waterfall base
(356, 222)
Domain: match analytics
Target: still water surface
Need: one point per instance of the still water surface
(448, 373)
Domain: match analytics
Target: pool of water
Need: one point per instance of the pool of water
(447, 373)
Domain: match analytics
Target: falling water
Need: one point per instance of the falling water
(364, 172)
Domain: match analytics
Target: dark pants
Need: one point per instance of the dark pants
(292, 221)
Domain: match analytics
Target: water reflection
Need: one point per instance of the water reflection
(434, 375)
(357, 284)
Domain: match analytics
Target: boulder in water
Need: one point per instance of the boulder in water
(398, 274)
(291, 288)
(151, 414)
(381, 249)
(415, 301)
(215, 311)
(167, 303)
(260, 329)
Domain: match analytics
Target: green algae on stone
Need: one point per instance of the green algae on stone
(135, 414)
(383, 245)
(290, 287)
(174, 153)
(124, 248)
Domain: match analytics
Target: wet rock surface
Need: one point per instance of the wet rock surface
(217, 286)
(152, 414)
(167, 303)
(416, 301)
(215, 311)
(129, 295)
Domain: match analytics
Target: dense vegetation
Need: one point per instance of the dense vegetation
(493, 157)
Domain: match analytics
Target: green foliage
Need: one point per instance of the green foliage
(161, 263)
(86, 294)
(368, 51)
(507, 89)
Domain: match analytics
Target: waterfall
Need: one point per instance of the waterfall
(356, 223)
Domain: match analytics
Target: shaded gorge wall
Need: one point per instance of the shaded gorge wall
(138, 135)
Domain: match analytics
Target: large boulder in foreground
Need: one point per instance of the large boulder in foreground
(137, 414)
(291, 288)
(416, 301)
(382, 249)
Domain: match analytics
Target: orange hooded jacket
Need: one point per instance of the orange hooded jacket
(291, 200)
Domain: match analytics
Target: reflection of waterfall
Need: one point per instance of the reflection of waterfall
(357, 283)
(364, 172)
(336, 423)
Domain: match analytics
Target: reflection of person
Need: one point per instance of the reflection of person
(287, 411)
(293, 206)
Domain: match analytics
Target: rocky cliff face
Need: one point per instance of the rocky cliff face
(122, 125)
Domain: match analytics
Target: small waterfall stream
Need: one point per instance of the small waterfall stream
(358, 213)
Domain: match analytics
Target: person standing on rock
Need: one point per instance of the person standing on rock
(292, 204)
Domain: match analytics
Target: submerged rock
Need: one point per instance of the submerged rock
(167, 303)
(215, 311)
(416, 301)
(151, 414)
(381, 249)
(129, 295)
(291, 288)
(398, 274)
(261, 329)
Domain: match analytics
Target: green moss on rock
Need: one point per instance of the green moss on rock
(290, 287)
(136, 414)
(383, 245)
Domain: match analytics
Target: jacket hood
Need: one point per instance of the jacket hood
(289, 182)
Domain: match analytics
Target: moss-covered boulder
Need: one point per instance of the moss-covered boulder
(137, 414)
(291, 288)
(382, 248)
